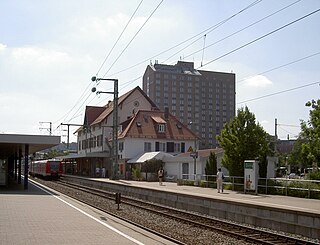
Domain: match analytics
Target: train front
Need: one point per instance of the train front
(54, 168)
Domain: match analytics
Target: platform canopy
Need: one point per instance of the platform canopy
(12, 143)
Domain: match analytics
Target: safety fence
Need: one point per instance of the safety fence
(272, 186)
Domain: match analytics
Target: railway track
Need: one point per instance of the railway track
(229, 229)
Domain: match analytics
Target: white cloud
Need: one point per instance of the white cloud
(38, 55)
(258, 81)
(2, 47)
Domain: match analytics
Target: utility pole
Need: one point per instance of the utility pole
(275, 134)
(71, 124)
(114, 157)
(49, 129)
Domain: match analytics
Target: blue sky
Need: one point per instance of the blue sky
(49, 50)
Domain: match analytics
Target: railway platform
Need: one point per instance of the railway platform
(288, 214)
(277, 201)
(38, 216)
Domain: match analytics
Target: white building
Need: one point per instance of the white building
(94, 138)
(142, 128)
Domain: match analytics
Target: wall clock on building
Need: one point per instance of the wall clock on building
(136, 103)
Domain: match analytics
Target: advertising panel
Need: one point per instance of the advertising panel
(251, 175)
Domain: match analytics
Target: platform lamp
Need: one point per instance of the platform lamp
(114, 152)
(194, 153)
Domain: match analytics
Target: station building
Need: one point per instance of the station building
(142, 128)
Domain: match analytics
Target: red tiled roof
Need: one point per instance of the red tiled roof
(143, 125)
(109, 107)
(92, 112)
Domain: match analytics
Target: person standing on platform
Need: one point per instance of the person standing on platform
(160, 175)
(103, 172)
(220, 177)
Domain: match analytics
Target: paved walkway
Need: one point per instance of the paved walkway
(36, 216)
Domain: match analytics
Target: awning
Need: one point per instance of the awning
(150, 155)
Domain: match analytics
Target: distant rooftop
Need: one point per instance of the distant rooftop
(181, 67)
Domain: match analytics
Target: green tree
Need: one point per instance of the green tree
(311, 134)
(296, 157)
(151, 166)
(54, 153)
(211, 166)
(242, 139)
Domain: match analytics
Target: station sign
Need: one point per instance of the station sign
(194, 154)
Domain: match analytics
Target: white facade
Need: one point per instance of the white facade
(133, 147)
(183, 167)
(96, 138)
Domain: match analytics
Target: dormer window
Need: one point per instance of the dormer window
(160, 123)
(161, 128)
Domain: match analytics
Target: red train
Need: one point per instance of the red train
(51, 168)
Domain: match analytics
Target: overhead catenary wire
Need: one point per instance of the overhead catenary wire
(146, 21)
(242, 29)
(215, 25)
(278, 67)
(127, 45)
(281, 92)
(84, 92)
(119, 37)
(259, 38)
(208, 30)
(80, 98)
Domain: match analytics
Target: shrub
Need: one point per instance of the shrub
(314, 175)
(136, 173)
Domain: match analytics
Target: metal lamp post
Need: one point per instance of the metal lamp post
(194, 154)
(114, 154)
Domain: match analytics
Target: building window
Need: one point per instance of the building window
(161, 128)
(185, 170)
(177, 147)
(170, 146)
(99, 140)
(160, 146)
(120, 146)
(183, 147)
(147, 146)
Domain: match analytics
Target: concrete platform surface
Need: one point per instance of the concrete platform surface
(36, 216)
(285, 202)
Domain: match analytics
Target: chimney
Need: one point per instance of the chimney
(166, 113)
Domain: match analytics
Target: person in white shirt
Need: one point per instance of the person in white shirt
(220, 177)
(160, 175)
